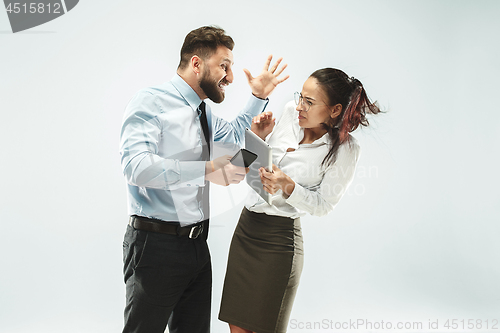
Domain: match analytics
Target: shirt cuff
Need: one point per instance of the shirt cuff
(297, 196)
(257, 104)
(192, 173)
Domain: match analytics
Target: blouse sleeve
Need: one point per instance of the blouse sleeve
(322, 199)
(284, 122)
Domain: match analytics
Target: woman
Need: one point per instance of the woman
(314, 158)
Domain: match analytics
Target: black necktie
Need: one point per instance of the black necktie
(204, 126)
(204, 192)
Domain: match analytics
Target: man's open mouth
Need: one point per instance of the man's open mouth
(223, 84)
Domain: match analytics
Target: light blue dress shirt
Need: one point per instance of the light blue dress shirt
(161, 144)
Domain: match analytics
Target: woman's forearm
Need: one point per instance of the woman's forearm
(287, 185)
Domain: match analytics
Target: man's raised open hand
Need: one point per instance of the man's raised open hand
(263, 85)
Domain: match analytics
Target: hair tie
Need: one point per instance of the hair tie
(355, 82)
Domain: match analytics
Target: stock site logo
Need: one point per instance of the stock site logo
(28, 14)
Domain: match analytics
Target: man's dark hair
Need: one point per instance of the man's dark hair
(203, 42)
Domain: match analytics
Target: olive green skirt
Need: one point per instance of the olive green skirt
(263, 272)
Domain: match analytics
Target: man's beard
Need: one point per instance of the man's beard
(211, 87)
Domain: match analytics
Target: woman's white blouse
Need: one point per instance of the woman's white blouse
(318, 189)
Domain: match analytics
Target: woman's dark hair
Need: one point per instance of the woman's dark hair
(349, 92)
(203, 42)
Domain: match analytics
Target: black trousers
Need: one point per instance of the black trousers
(168, 280)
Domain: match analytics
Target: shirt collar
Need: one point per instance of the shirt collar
(325, 139)
(187, 92)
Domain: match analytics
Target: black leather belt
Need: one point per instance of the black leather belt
(171, 228)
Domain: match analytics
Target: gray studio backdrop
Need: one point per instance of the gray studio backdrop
(415, 240)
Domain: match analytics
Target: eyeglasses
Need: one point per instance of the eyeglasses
(306, 104)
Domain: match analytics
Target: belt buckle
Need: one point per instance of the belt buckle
(196, 231)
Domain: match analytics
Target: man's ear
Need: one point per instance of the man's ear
(196, 63)
(336, 110)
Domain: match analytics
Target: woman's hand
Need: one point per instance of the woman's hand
(263, 85)
(263, 124)
(276, 180)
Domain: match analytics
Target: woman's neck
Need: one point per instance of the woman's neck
(312, 134)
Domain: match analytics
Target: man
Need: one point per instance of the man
(165, 148)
